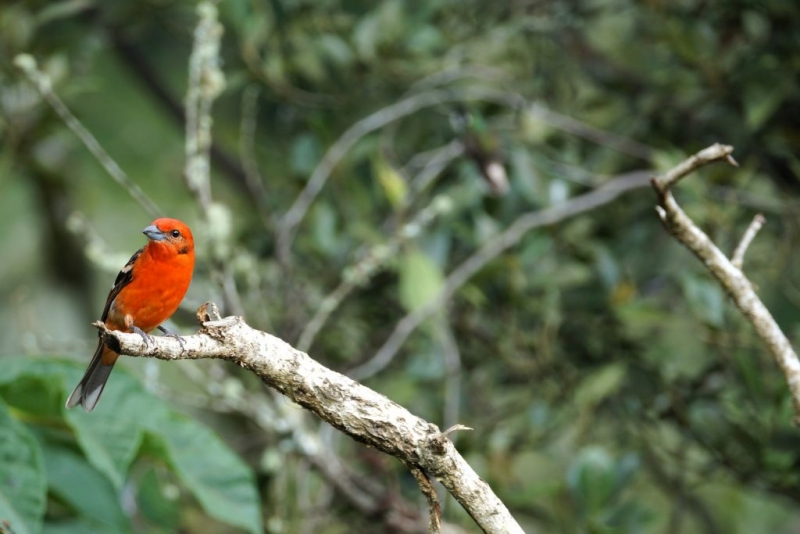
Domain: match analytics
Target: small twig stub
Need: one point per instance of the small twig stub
(741, 249)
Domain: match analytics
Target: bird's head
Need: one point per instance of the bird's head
(172, 233)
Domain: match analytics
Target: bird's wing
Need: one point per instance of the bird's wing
(123, 279)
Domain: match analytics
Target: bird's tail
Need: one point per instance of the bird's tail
(88, 390)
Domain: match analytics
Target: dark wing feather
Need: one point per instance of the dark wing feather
(123, 279)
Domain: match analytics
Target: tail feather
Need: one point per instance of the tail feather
(88, 390)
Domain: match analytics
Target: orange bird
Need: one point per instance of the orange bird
(146, 293)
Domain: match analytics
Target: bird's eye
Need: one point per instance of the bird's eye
(176, 233)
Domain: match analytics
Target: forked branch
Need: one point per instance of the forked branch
(727, 272)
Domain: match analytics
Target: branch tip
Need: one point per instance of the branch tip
(455, 428)
(741, 249)
(715, 152)
(208, 312)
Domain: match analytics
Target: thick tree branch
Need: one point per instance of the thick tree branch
(729, 275)
(363, 414)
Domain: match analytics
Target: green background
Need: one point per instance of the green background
(611, 385)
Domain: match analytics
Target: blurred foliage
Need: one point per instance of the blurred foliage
(611, 386)
(132, 426)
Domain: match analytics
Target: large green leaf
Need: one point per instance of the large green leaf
(22, 480)
(223, 485)
(84, 488)
(219, 479)
(79, 526)
(112, 434)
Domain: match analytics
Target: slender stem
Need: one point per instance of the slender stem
(738, 255)
(27, 64)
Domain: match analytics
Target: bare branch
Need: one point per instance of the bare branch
(738, 255)
(27, 64)
(434, 508)
(729, 275)
(455, 428)
(363, 414)
(715, 152)
(493, 248)
(206, 82)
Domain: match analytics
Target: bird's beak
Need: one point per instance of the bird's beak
(154, 233)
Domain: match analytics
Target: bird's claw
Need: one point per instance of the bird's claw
(171, 334)
(145, 336)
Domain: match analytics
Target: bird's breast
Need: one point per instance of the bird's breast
(152, 296)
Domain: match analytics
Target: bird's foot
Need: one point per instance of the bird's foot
(171, 334)
(145, 336)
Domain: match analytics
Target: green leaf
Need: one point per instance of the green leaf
(34, 394)
(22, 479)
(525, 178)
(324, 221)
(599, 385)
(85, 489)
(762, 101)
(79, 526)
(111, 435)
(420, 279)
(61, 10)
(676, 346)
(426, 39)
(366, 37)
(159, 501)
(335, 49)
(705, 298)
(591, 478)
(305, 154)
(393, 183)
(222, 483)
